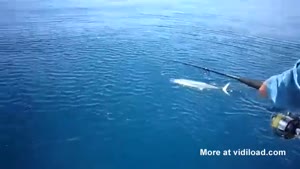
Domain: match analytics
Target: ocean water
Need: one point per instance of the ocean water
(86, 84)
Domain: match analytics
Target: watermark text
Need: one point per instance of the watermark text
(242, 152)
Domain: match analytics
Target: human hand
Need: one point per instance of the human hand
(263, 90)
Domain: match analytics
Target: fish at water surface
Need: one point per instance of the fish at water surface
(198, 85)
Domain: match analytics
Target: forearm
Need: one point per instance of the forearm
(284, 89)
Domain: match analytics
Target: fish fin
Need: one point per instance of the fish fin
(225, 89)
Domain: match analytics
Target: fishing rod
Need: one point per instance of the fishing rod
(284, 125)
(249, 82)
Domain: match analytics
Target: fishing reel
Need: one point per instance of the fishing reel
(286, 126)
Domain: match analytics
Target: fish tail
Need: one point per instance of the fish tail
(225, 89)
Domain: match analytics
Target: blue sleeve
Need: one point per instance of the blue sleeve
(284, 89)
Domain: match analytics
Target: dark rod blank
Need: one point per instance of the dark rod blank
(249, 82)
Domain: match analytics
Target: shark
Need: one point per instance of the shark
(198, 85)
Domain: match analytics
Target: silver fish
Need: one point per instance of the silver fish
(198, 85)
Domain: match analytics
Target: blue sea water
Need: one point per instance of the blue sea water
(86, 84)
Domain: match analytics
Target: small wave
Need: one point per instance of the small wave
(73, 139)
